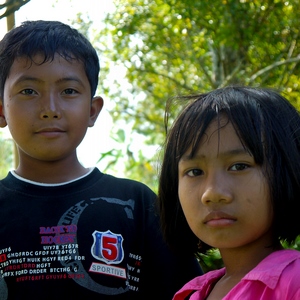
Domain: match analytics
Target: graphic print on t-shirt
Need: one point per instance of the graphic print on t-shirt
(59, 257)
(107, 247)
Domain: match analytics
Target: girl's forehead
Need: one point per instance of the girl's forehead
(219, 121)
(204, 133)
(220, 141)
(204, 125)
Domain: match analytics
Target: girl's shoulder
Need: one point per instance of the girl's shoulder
(280, 273)
(200, 285)
(284, 256)
(277, 262)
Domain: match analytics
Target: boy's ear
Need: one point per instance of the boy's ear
(96, 107)
(2, 117)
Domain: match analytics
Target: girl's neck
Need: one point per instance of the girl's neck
(238, 263)
(240, 260)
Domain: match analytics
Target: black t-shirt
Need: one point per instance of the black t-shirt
(94, 238)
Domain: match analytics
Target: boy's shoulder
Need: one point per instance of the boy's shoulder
(95, 179)
(127, 183)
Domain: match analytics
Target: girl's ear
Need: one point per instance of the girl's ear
(2, 117)
(96, 107)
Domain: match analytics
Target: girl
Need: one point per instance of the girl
(230, 179)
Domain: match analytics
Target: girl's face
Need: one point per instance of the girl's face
(223, 192)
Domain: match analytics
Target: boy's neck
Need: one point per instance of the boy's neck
(51, 172)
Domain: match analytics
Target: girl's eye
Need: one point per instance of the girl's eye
(69, 91)
(194, 172)
(239, 167)
(28, 92)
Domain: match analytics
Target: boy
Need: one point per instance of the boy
(69, 232)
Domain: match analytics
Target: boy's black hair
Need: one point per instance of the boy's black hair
(47, 38)
(268, 127)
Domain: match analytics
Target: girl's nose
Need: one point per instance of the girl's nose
(216, 189)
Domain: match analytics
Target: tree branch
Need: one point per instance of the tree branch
(273, 66)
(11, 6)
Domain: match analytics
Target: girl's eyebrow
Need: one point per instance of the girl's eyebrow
(225, 154)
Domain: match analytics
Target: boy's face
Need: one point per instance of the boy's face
(48, 107)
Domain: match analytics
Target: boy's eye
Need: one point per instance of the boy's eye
(194, 172)
(239, 167)
(28, 92)
(69, 91)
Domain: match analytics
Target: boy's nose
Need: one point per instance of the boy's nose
(50, 115)
(50, 108)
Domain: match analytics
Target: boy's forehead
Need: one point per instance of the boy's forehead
(53, 70)
(41, 58)
(39, 61)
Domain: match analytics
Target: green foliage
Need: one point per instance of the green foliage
(6, 155)
(295, 245)
(140, 168)
(212, 259)
(170, 47)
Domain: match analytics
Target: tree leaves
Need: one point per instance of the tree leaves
(171, 47)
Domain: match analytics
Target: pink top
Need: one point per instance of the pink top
(277, 277)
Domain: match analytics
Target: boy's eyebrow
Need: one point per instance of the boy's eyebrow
(229, 153)
(28, 78)
(64, 79)
(71, 78)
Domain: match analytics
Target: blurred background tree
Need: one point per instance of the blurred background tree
(6, 155)
(9, 7)
(164, 48)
